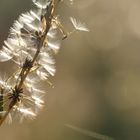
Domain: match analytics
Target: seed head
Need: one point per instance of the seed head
(31, 45)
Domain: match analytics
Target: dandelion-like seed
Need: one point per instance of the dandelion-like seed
(31, 44)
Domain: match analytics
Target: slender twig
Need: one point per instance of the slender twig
(25, 71)
(32, 35)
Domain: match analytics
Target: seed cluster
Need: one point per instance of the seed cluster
(31, 45)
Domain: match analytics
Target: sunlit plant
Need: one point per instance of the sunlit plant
(31, 45)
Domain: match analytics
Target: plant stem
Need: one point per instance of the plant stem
(25, 71)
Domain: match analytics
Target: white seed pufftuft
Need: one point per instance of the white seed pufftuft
(79, 25)
(31, 44)
(42, 4)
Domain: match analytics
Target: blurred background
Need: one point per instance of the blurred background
(97, 84)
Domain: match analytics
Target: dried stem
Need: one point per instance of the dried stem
(29, 35)
(25, 71)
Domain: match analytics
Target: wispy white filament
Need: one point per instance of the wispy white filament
(79, 25)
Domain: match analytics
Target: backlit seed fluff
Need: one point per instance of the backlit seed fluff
(31, 44)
